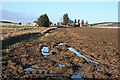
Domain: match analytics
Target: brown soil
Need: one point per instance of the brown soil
(98, 44)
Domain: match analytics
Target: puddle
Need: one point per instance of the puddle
(76, 77)
(28, 69)
(97, 68)
(43, 71)
(51, 75)
(61, 44)
(45, 51)
(80, 55)
(60, 65)
(111, 67)
(54, 76)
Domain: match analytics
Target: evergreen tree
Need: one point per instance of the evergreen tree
(65, 19)
(43, 21)
(20, 23)
(79, 22)
(87, 23)
(70, 21)
(82, 22)
(75, 21)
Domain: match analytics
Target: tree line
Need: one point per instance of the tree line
(44, 21)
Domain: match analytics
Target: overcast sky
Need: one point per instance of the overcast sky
(29, 11)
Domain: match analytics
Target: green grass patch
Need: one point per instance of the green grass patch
(2, 57)
(5, 50)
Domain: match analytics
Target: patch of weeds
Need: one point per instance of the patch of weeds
(2, 57)
(6, 50)
(26, 75)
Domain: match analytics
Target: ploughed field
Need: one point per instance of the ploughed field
(65, 53)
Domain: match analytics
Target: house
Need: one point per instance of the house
(59, 24)
(34, 24)
(31, 24)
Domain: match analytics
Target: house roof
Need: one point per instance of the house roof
(7, 22)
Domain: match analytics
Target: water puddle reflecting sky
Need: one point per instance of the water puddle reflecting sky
(80, 55)
(45, 51)
(28, 69)
(61, 44)
(97, 68)
(60, 65)
(76, 77)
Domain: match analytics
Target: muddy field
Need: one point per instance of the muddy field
(64, 54)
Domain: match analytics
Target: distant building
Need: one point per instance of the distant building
(51, 24)
(31, 24)
(76, 25)
(7, 23)
(59, 24)
(71, 24)
(34, 24)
